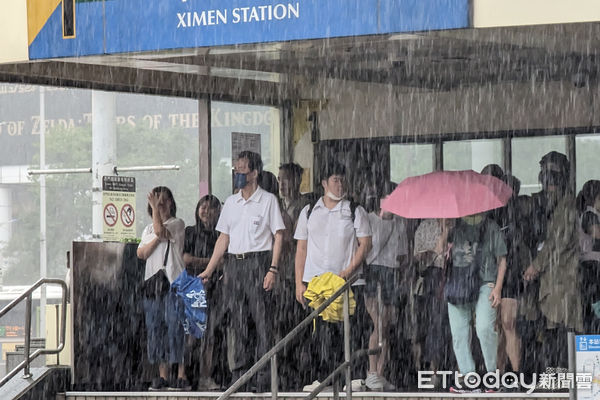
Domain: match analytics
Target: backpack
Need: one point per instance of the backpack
(463, 283)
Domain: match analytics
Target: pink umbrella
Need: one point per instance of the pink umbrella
(447, 194)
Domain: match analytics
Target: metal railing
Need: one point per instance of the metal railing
(271, 355)
(27, 296)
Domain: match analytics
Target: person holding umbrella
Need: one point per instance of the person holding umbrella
(477, 261)
(478, 253)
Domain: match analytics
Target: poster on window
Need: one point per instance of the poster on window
(241, 141)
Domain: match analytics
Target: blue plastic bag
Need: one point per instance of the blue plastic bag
(192, 305)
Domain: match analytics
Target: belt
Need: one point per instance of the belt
(244, 256)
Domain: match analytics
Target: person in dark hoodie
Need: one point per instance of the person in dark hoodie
(199, 244)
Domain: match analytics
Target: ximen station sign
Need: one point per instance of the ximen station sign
(76, 28)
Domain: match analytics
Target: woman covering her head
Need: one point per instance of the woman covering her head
(162, 248)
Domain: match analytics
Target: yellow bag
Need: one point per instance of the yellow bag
(322, 287)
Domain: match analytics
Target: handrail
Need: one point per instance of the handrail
(283, 342)
(27, 295)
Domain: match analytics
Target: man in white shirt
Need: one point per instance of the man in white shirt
(333, 236)
(251, 232)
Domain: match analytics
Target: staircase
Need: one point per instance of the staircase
(13, 358)
(298, 395)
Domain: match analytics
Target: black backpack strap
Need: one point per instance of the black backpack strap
(311, 205)
(353, 206)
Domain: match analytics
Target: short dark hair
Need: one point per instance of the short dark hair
(588, 194)
(331, 169)
(254, 161)
(513, 182)
(268, 181)
(167, 191)
(557, 158)
(293, 169)
(494, 170)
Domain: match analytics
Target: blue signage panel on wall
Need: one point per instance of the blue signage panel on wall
(116, 26)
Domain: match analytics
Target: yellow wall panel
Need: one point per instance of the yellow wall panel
(13, 31)
(38, 12)
(489, 13)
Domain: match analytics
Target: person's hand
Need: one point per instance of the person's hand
(300, 289)
(205, 276)
(495, 297)
(345, 274)
(530, 273)
(153, 199)
(269, 281)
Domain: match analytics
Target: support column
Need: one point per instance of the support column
(104, 151)
(5, 222)
(204, 142)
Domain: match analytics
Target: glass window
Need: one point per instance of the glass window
(472, 154)
(151, 130)
(526, 154)
(410, 160)
(237, 127)
(587, 148)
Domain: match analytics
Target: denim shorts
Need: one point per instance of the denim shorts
(390, 281)
(165, 335)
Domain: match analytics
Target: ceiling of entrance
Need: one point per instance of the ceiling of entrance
(272, 72)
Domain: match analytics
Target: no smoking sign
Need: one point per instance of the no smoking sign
(110, 214)
(118, 200)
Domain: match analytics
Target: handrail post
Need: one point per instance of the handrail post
(347, 344)
(57, 312)
(274, 378)
(336, 387)
(27, 373)
(379, 318)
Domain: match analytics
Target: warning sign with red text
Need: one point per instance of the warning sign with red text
(118, 204)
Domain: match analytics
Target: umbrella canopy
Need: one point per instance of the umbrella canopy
(447, 194)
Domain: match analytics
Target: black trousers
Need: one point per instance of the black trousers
(327, 341)
(247, 304)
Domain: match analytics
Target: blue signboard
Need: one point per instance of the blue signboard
(588, 343)
(116, 26)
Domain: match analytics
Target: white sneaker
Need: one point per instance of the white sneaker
(314, 385)
(374, 382)
(357, 385)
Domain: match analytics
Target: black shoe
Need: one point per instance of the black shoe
(181, 385)
(158, 384)
(463, 390)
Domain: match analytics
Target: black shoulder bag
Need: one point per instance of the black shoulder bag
(158, 285)
(462, 284)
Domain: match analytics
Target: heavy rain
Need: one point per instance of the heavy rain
(298, 199)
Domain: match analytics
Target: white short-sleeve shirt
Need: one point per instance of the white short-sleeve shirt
(154, 262)
(389, 241)
(250, 223)
(331, 236)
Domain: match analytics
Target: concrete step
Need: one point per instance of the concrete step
(43, 384)
(14, 358)
(299, 395)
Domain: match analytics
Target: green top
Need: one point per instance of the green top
(465, 242)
